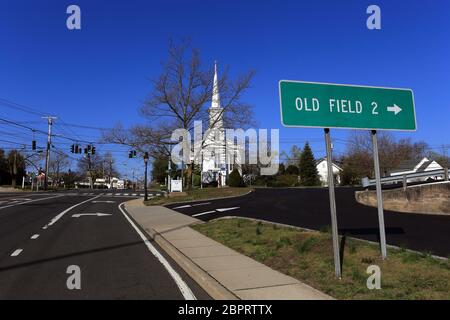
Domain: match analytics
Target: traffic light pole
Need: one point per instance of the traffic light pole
(145, 178)
(49, 143)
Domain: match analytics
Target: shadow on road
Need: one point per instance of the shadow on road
(74, 254)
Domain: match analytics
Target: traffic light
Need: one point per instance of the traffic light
(72, 149)
(93, 150)
(134, 154)
(33, 145)
(86, 150)
(130, 154)
(77, 149)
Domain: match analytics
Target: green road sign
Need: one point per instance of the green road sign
(324, 105)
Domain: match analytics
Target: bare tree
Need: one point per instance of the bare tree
(59, 162)
(359, 154)
(180, 96)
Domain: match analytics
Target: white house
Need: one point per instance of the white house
(219, 158)
(322, 169)
(414, 166)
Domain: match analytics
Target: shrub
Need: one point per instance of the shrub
(306, 245)
(235, 179)
(212, 184)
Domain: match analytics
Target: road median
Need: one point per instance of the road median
(222, 272)
(307, 256)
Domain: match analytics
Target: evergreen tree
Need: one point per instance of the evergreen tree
(292, 170)
(281, 169)
(308, 171)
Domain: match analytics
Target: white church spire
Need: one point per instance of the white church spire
(216, 96)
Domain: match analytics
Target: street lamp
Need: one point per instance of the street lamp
(145, 177)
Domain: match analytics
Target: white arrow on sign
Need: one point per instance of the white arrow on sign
(98, 214)
(395, 108)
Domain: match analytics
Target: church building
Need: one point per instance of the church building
(219, 158)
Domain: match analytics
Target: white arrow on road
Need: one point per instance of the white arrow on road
(395, 108)
(98, 214)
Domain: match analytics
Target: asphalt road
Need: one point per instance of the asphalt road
(42, 235)
(309, 208)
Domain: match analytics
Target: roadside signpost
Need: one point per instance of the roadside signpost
(326, 105)
(176, 186)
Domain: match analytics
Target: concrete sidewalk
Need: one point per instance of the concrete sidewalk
(219, 270)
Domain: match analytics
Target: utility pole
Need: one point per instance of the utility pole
(49, 143)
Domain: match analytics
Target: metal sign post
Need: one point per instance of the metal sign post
(379, 195)
(334, 228)
(327, 105)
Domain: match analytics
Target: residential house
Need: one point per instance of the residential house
(322, 169)
(414, 166)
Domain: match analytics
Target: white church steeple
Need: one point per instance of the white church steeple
(216, 111)
(216, 96)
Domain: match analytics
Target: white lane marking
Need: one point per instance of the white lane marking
(201, 204)
(16, 253)
(59, 216)
(134, 194)
(125, 194)
(182, 207)
(34, 236)
(103, 201)
(35, 200)
(203, 213)
(20, 199)
(227, 209)
(185, 290)
(98, 214)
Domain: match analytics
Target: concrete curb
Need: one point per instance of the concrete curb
(201, 277)
(208, 283)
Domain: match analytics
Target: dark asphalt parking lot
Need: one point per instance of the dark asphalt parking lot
(309, 208)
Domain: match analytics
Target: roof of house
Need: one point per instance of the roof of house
(424, 166)
(406, 165)
(325, 159)
(410, 165)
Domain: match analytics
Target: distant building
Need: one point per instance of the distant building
(414, 166)
(322, 169)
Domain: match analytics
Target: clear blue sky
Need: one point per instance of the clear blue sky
(99, 76)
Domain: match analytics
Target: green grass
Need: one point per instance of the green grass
(308, 256)
(199, 194)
